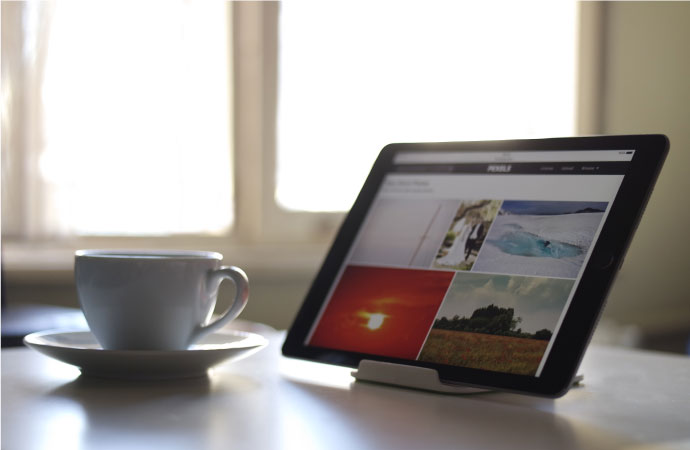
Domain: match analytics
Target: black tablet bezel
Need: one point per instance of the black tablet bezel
(589, 298)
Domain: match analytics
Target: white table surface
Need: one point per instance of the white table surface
(630, 399)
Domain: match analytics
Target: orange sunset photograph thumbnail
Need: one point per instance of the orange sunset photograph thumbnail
(382, 311)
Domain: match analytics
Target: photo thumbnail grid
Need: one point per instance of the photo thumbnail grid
(472, 283)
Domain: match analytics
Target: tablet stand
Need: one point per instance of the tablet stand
(413, 377)
(408, 376)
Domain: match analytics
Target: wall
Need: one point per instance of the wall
(646, 89)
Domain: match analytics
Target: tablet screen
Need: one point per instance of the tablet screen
(470, 259)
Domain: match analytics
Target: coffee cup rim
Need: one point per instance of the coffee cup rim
(147, 254)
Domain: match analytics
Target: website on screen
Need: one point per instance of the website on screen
(471, 259)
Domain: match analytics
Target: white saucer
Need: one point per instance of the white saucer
(80, 348)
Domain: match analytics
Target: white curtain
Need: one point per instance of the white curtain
(25, 199)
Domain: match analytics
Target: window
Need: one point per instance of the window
(262, 137)
(354, 77)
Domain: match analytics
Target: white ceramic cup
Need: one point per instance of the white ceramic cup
(154, 300)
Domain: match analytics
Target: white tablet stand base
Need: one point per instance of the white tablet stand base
(413, 377)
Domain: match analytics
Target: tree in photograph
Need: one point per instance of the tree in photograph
(543, 335)
(491, 319)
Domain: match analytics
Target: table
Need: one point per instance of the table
(630, 399)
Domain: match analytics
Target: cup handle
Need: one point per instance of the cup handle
(215, 277)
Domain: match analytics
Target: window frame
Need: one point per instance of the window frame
(258, 216)
(263, 233)
(259, 221)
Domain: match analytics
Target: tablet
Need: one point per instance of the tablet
(489, 262)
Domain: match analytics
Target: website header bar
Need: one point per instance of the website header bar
(513, 157)
(564, 168)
